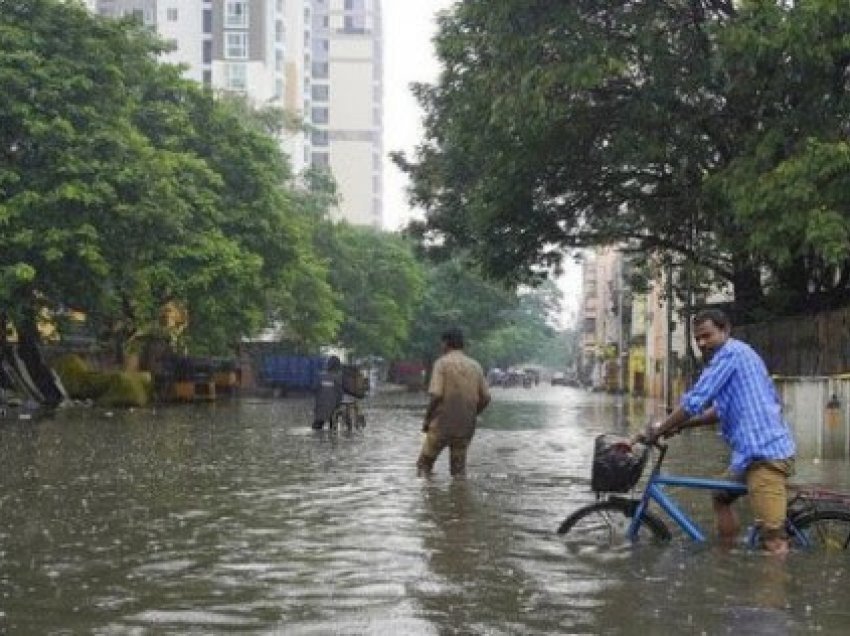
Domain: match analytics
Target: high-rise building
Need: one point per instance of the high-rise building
(232, 45)
(318, 59)
(346, 103)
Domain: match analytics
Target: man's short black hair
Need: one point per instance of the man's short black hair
(333, 363)
(717, 316)
(453, 337)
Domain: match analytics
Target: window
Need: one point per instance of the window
(207, 51)
(321, 70)
(278, 61)
(207, 20)
(319, 137)
(321, 160)
(279, 6)
(279, 31)
(236, 14)
(235, 45)
(278, 88)
(319, 115)
(354, 24)
(207, 78)
(171, 14)
(235, 77)
(321, 92)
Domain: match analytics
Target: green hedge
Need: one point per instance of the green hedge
(111, 388)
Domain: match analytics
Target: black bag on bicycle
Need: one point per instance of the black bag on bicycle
(617, 466)
(354, 383)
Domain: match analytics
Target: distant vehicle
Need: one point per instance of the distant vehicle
(565, 379)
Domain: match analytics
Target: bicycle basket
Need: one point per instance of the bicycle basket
(617, 465)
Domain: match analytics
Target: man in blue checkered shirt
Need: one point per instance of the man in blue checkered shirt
(735, 389)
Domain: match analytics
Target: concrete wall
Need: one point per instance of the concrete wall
(817, 410)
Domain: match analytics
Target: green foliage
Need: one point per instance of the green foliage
(378, 283)
(455, 294)
(124, 187)
(713, 131)
(529, 334)
(80, 382)
(126, 389)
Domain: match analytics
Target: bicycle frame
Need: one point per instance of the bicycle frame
(654, 491)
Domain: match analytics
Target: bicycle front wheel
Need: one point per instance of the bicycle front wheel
(605, 525)
(821, 530)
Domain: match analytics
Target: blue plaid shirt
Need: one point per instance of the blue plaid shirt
(736, 382)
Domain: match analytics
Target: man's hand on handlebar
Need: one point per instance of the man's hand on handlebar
(653, 433)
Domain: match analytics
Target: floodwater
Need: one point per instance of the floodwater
(235, 517)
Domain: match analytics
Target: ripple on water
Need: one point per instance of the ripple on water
(238, 517)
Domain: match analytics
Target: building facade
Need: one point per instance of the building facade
(320, 60)
(346, 103)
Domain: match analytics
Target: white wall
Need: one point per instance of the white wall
(186, 31)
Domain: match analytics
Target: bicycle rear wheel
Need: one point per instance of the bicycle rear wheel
(821, 530)
(605, 525)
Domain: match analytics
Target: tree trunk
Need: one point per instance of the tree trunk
(749, 295)
(30, 354)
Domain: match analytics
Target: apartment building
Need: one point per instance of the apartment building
(606, 320)
(346, 103)
(589, 312)
(318, 59)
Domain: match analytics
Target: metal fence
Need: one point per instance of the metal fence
(813, 345)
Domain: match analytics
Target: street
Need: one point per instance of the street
(236, 517)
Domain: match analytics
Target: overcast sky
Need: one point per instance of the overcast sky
(409, 57)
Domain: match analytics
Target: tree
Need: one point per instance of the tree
(528, 334)
(68, 156)
(124, 187)
(710, 130)
(455, 295)
(378, 282)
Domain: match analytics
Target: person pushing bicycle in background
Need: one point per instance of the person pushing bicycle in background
(736, 390)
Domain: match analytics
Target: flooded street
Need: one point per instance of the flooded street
(236, 517)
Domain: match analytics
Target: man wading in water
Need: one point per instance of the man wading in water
(458, 393)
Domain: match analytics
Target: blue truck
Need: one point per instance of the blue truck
(291, 372)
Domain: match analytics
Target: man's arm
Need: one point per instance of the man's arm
(429, 412)
(679, 419)
(483, 396)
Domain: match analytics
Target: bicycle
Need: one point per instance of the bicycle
(817, 518)
(349, 415)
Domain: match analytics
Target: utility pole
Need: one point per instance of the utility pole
(668, 359)
(621, 346)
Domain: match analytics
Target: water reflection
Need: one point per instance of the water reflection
(237, 517)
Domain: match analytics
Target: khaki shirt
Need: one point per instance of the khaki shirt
(459, 381)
